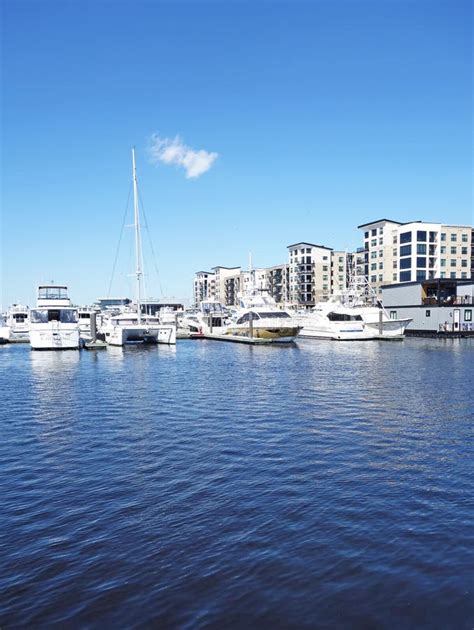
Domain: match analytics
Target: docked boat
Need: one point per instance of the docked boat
(4, 331)
(128, 327)
(259, 317)
(360, 298)
(18, 322)
(132, 325)
(54, 322)
(329, 320)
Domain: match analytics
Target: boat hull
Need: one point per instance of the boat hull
(281, 334)
(122, 335)
(54, 339)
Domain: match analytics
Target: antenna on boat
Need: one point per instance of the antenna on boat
(138, 245)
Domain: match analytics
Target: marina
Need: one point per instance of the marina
(214, 484)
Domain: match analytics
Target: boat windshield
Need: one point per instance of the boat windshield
(274, 315)
(43, 316)
(52, 293)
(343, 317)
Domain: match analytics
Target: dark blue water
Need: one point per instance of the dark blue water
(324, 485)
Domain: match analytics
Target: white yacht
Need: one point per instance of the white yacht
(54, 322)
(210, 317)
(4, 331)
(260, 317)
(362, 300)
(329, 320)
(18, 322)
(132, 325)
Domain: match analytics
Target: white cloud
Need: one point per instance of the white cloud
(174, 151)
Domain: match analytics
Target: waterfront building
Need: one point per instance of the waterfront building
(220, 275)
(203, 286)
(397, 252)
(436, 306)
(342, 269)
(309, 274)
(278, 278)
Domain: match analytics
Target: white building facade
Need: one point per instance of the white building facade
(396, 252)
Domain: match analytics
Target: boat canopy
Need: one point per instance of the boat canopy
(45, 315)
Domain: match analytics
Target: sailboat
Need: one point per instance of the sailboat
(131, 325)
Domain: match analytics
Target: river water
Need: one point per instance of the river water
(215, 485)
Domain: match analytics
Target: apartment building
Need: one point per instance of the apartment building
(278, 278)
(309, 273)
(203, 286)
(220, 275)
(342, 269)
(396, 252)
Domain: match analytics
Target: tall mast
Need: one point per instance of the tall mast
(138, 245)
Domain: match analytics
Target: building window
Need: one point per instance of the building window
(394, 277)
(380, 265)
(380, 241)
(468, 315)
(405, 250)
(374, 232)
(373, 278)
(405, 263)
(380, 277)
(432, 237)
(325, 257)
(454, 238)
(464, 275)
(421, 262)
(405, 237)
(442, 274)
(443, 236)
(464, 251)
(373, 254)
(453, 262)
(443, 262)
(421, 236)
(366, 235)
(373, 266)
(463, 263)
(464, 238)
(373, 242)
(420, 275)
(421, 248)
(452, 275)
(405, 276)
(394, 264)
(395, 240)
(443, 249)
(393, 314)
(453, 251)
(428, 313)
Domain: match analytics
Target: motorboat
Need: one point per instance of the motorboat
(210, 317)
(361, 299)
(259, 317)
(54, 322)
(329, 320)
(18, 322)
(132, 325)
(4, 331)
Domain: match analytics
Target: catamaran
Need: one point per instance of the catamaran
(131, 325)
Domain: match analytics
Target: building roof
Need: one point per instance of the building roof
(310, 244)
(211, 273)
(381, 221)
(222, 267)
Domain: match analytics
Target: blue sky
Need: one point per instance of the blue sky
(324, 115)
